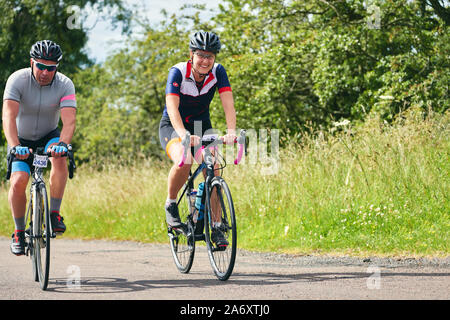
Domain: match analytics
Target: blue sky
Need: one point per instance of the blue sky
(103, 40)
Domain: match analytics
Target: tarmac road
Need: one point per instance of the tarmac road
(97, 270)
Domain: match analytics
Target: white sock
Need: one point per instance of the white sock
(169, 201)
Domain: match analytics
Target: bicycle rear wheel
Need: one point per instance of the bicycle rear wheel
(219, 202)
(40, 236)
(182, 241)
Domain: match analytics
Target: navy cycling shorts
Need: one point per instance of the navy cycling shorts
(168, 135)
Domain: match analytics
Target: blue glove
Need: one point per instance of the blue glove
(60, 148)
(21, 151)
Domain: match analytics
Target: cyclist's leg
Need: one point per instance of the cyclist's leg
(17, 192)
(215, 205)
(20, 173)
(177, 176)
(175, 181)
(171, 143)
(58, 173)
(58, 180)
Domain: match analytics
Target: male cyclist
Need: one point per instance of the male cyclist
(190, 89)
(34, 100)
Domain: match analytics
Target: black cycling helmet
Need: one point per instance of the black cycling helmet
(47, 50)
(206, 41)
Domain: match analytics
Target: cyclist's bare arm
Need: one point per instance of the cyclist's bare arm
(9, 115)
(68, 118)
(230, 115)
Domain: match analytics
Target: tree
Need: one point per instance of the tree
(123, 100)
(319, 61)
(293, 65)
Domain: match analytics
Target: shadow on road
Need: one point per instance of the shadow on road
(102, 285)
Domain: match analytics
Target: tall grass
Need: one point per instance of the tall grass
(116, 202)
(375, 188)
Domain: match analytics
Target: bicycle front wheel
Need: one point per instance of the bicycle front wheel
(221, 218)
(182, 241)
(41, 235)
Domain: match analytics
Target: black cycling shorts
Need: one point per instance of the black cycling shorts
(27, 164)
(168, 135)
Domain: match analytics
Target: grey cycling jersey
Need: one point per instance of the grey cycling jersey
(39, 106)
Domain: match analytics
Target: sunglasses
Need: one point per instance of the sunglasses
(43, 66)
(204, 56)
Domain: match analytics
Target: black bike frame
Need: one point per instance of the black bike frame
(207, 163)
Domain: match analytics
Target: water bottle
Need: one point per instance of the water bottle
(198, 201)
(192, 210)
(199, 208)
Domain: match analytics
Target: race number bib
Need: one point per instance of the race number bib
(40, 161)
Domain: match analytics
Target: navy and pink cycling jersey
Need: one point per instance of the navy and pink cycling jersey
(194, 102)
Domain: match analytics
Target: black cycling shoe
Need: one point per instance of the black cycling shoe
(218, 238)
(173, 216)
(18, 243)
(57, 222)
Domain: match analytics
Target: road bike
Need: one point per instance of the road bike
(40, 231)
(217, 204)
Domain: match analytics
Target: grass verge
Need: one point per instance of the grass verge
(373, 189)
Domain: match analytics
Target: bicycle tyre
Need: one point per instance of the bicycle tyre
(41, 235)
(30, 242)
(222, 259)
(182, 241)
